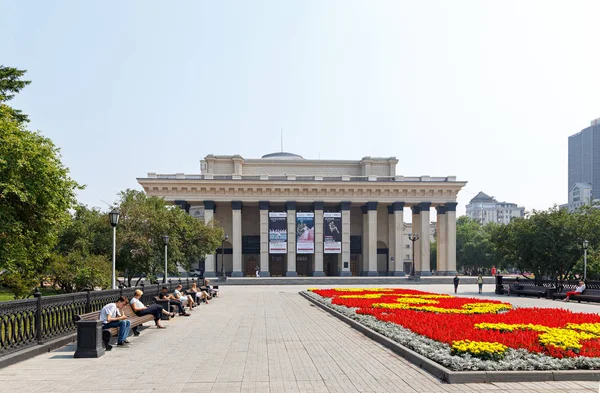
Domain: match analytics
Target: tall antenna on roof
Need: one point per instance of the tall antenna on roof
(282, 139)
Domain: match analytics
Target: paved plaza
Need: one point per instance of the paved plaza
(257, 339)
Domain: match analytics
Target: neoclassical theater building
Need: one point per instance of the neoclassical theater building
(290, 216)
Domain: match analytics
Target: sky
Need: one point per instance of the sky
(487, 91)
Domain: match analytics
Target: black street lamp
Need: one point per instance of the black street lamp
(585, 247)
(223, 255)
(166, 241)
(114, 221)
(413, 239)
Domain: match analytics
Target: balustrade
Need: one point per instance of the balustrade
(28, 322)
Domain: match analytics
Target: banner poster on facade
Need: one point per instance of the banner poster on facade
(332, 233)
(305, 233)
(277, 233)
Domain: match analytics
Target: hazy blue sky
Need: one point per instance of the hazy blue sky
(487, 91)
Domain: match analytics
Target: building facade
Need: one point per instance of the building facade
(579, 195)
(485, 209)
(292, 216)
(584, 158)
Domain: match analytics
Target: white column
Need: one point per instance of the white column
(318, 209)
(416, 230)
(372, 223)
(451, 237)
(365, 241)
(425, 269)
(391, 263)
(345, 207)
(291, 242)
(236, 241)
(398, 240)
(442, 262)
(264, 238)
(209, 260)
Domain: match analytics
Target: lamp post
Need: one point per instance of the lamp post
(413, 238)
(166, 240)
(223, 255)
(585, 247)
(114, 221)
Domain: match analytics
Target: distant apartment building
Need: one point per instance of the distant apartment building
(579, 195)
(584, 158)
(485, 209)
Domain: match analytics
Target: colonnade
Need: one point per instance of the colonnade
(445, 234)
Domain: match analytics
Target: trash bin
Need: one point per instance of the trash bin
(499, 287)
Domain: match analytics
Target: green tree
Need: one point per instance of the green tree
(10, 84)
(474, 251)
(36, 193)
(547, 243)
(433, 255)
(143, 223)
(83, 252)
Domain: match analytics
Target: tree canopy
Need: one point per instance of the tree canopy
(10, 84)
(143, 223)
(36, 194)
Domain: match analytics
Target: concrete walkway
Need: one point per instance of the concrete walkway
(256, 339)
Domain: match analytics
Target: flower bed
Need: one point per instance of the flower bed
(473, 334)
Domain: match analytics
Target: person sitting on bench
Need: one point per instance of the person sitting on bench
(578, 291)
(164, 294)
(211, 291)
(184, 299)
(200, 295)
(156, 309)
(111, 317)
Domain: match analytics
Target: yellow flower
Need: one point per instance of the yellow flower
(481, 349)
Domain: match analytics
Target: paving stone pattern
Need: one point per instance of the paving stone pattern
(255, 339)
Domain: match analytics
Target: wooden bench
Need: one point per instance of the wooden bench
(89, 331)
(528, 290)
(168, 305)
(590, 295)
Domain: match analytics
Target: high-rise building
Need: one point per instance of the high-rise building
(584, 158)
(486, 209)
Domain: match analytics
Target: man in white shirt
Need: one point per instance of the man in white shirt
(578, 290)
(111, 317)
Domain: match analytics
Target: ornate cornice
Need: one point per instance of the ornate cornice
(282, 191)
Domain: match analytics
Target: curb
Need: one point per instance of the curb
(450, 376)
(35, 350)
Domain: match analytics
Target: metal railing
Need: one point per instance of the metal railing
(558, 285)
(29, 322)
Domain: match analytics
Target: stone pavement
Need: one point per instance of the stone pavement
(256, 339)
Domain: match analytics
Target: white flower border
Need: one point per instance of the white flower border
(514, 359)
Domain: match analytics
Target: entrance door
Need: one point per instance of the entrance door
(276, 265)
(383, 266)
(250, 263)
(330, 263)
(303, 264)
(354, 264)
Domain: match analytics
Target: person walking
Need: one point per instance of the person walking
(480, 283)
(456, 281)
(257, 271)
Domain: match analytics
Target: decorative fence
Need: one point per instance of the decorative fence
(561, 286)
(29, 322)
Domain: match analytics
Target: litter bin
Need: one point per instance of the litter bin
(499, 287)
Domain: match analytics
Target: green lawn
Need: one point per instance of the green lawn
(6, 294)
